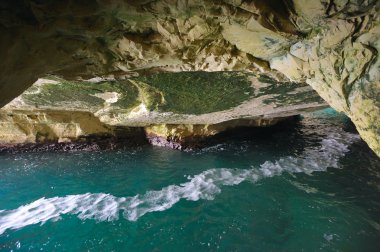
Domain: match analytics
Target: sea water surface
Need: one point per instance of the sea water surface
(305, 185)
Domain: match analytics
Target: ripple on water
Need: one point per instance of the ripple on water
(270, 189)
(205, 186)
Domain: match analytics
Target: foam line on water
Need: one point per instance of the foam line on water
(205, 186)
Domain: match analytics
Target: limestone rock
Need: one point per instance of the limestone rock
(184, 136)
(331, 45)
(180, 107)
(341, 62)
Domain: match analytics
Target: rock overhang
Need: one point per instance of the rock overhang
(332, 46)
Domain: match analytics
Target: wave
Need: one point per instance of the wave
(204, 186)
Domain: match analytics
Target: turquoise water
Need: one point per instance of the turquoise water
(308, 185)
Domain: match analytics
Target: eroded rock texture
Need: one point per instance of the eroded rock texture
(330, 44)
(205, 104)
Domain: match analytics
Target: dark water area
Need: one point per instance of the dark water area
(306, 185)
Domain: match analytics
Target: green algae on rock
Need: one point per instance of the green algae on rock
(331, 45)
(200, 92)
(162, 102)
(81, 95)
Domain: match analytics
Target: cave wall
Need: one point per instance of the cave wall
(330, 44)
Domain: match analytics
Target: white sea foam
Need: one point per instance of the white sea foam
(205, 186)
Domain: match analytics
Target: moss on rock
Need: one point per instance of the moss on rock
(199, 92)
(81, 95)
